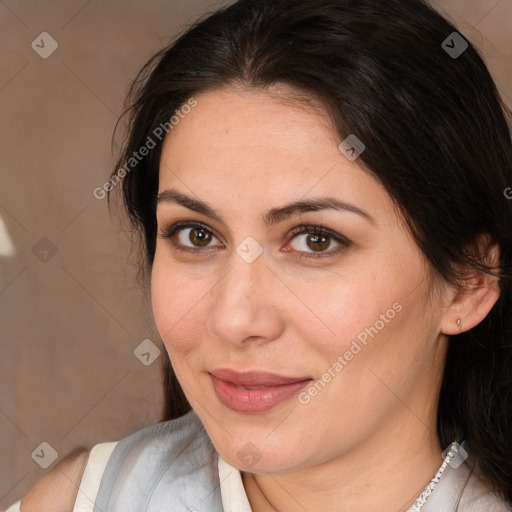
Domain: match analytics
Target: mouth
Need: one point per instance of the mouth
(254, 391)
(255, 379)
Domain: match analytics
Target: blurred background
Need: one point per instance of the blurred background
(79, 360)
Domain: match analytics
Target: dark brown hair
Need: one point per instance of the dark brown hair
(436, 137)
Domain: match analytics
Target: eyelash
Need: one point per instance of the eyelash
(170, 231)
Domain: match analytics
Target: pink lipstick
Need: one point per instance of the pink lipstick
(254, 391)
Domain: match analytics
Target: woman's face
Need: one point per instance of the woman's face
(352, 314)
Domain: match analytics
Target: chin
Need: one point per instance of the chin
(255, 451)
(275, 461)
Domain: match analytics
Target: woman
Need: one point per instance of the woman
(320, 187)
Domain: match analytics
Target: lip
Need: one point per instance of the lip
(230, 387)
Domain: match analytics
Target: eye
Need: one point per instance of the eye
(199, 236)
(318, 238)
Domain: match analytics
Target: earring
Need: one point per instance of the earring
(459, 321)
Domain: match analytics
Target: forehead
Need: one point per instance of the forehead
(264, 146)
(242, 118)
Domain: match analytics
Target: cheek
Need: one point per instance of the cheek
(379, 339)
(174, 302)
(161, 298)
(370, 319)
(342, 307)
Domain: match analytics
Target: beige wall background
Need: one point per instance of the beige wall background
(71, 312)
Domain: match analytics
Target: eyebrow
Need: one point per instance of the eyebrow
(274, 215)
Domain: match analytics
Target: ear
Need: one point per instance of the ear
(481, 291)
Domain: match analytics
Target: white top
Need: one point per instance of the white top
(91, 479)
(234, 498)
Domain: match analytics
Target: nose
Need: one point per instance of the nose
(247, 303)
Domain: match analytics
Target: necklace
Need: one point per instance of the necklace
(422, 498)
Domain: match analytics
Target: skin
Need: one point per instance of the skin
(57, 490)
(368, 440)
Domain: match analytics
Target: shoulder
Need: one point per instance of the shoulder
(138, 459)
(56, 491)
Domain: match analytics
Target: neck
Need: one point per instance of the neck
(386, 473)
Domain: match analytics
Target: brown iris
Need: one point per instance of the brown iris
(313, 242)
(200, 236)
